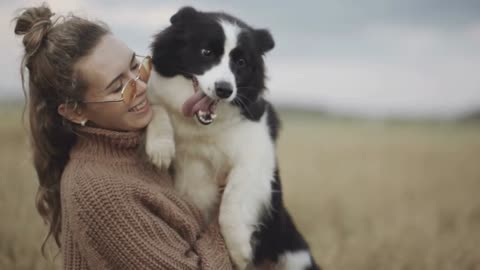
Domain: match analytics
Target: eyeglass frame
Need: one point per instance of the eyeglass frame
(131, 80)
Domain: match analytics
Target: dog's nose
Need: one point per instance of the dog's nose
(223, 89)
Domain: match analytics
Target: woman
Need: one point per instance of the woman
(105, 207)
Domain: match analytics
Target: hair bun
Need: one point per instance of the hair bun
(34, 24)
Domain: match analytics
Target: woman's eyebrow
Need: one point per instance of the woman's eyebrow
(120, 75)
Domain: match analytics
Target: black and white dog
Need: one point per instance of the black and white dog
(208, 64)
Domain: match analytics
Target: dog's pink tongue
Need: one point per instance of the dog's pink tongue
(187, 107)
(197, 102)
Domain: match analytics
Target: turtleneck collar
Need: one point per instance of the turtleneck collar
(98, 143)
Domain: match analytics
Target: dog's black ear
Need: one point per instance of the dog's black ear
(264, 40)
(183, 14)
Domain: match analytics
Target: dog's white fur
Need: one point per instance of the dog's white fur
(221, 72)
(294, 260)
(205, 154)
(232, 146)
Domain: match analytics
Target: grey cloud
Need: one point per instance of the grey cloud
(332, 27)
(360, 55)
(339, 14)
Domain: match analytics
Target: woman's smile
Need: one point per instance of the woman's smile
(142, 107)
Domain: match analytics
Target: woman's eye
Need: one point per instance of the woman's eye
(241, 62)
(206, 52)
(119, 88)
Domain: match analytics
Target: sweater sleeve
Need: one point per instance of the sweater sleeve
(116, 230)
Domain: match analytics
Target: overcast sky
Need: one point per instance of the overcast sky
(370, 57)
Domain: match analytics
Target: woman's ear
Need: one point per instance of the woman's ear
(72, 113)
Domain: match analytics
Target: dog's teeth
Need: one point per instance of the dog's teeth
(204, 118)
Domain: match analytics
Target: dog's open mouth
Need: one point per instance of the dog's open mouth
(200, 105)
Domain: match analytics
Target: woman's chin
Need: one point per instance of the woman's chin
(143, 118)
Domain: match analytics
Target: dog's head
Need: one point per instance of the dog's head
(221, 52)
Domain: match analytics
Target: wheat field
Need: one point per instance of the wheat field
(366, 194)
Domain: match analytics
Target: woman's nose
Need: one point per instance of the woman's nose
(141, 87)
(139, 84)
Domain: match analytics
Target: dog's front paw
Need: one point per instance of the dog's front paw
(241, 256)
(161, 152)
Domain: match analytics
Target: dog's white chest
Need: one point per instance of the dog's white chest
(206, 155)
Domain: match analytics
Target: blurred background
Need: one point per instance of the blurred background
(380, 102)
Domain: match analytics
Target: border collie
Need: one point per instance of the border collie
(208, 82)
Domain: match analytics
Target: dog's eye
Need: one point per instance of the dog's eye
(206, 52)
(241, 62)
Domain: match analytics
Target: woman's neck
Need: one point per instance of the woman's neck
(97, 143)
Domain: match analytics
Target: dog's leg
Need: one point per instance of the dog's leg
(194, 180)
(247, 193)
(160, 146)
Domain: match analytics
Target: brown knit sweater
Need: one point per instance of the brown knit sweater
(119, 213)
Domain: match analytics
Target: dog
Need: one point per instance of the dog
(211, 119)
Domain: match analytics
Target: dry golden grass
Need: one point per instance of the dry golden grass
(385, 196)
(367, 195)
(21, 230)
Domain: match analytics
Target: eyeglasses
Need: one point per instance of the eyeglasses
(129, 90)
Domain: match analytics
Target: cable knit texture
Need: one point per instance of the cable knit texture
(120, 213)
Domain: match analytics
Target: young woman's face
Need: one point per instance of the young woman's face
(106, 71)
